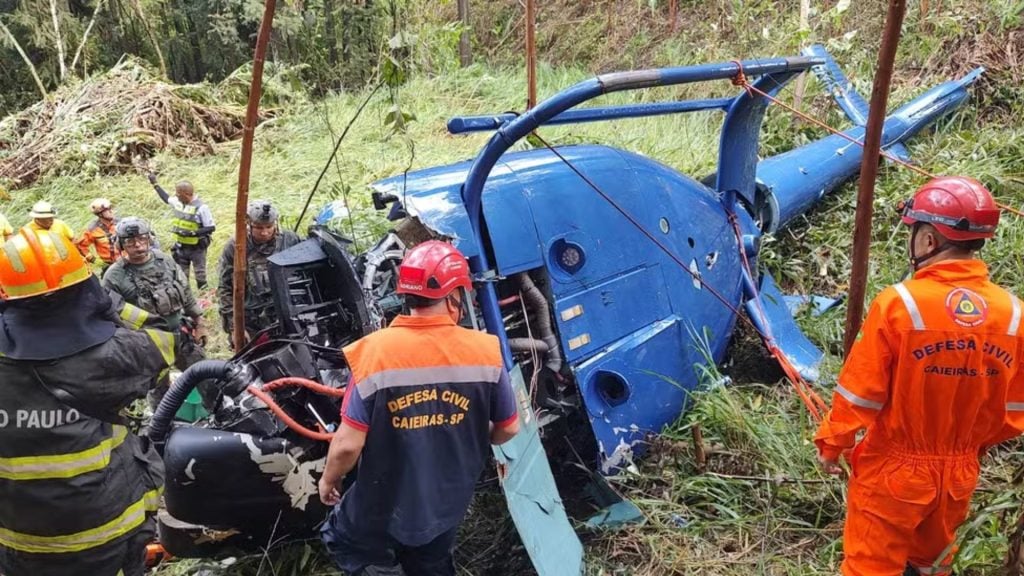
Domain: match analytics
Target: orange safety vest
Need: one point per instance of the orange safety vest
(102, 237)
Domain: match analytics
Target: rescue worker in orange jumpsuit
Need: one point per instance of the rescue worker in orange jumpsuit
(933, 376)
(101, 234)
(426, 399)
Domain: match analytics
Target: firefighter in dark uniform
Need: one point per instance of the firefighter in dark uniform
(77, 489)
(149, 279)
(193, 226)
(426, 398)
(264, 240)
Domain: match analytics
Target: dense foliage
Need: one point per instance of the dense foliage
(334, 42)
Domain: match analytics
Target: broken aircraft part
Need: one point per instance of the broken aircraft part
(606, 276)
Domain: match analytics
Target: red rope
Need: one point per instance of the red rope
(815, 405)
(812, 401)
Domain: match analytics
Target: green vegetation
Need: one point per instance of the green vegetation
(758, 505)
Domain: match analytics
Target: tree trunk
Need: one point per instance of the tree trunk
(85, 36)
(332, 42)
(31, 66)
(465, 51)
(137, 6)
(60, 40)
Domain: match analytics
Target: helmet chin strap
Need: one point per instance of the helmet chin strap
(916, 261)
(454, 306)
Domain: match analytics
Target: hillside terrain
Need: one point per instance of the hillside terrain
(754, 502)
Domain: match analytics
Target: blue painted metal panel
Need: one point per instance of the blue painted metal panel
(798, 179)
(607, 311)
(532, 497)
(777, 321)
(737, 148)
(434, 195)
(634, 388)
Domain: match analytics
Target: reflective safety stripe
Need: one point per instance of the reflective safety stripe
(164, 343)
(908, 301)
(63, 465)
(857, 400)
(58, 243)
(14, 257)
(424, 376)
(1015, 319)
(186, 219)
(133, 316)
(1015, 406)
(33, 288)
(129, 520)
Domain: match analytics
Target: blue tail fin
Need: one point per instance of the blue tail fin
(855, 107)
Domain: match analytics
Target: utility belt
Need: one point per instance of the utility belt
(202, 243)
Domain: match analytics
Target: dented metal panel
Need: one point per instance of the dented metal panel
(533, 499)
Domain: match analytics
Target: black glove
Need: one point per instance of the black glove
(152, 178)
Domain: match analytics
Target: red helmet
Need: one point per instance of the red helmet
(959, 208)
(432, 270)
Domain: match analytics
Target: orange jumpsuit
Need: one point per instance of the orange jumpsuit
(102, 237)
(934, 378)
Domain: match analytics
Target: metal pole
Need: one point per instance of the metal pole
(242, 200)
(531, 55)
(869, 169)
(798, 91)
(465, 54)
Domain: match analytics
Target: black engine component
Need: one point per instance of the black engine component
(243, 477)
(317, 292)
(230, 489)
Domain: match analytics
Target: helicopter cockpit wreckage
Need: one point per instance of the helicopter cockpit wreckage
(606, 276)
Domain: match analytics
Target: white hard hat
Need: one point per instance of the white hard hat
(99, 205)
(43, 209)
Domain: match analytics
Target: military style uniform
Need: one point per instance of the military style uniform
(158, 287)
(77, 489)
(190, 241)
(259, 304)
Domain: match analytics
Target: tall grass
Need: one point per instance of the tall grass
(761, 506)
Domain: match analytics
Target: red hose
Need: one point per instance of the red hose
(263, 395)
(305, 383)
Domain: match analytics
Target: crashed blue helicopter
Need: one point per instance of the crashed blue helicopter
(600, 271)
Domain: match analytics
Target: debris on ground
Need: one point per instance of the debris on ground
(112, 123)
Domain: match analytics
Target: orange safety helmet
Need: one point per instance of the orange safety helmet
(433, 270)
(36, 262)
(959, 208)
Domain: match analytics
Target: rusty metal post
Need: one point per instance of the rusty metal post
(869, 169)
(465, 51)
(531, 54)
(673, 15)
(242, 199)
